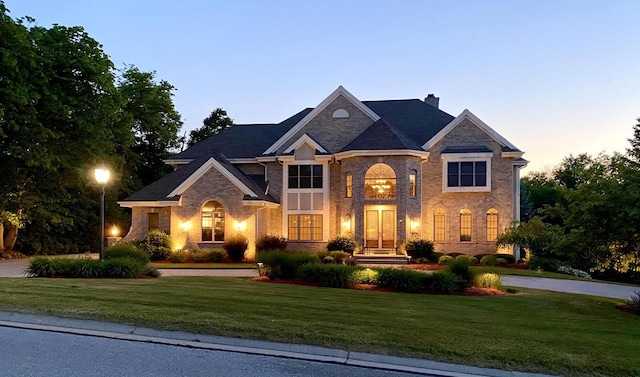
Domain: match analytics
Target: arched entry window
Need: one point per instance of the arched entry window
(212, 221)
(380, 182)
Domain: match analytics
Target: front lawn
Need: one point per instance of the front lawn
(533, 330)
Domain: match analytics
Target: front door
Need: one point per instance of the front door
(380, 228)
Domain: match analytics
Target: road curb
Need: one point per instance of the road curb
(247, 346)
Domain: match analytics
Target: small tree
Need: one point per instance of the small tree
(537, 237)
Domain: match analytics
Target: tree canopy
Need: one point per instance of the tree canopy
(61, 114)
(211, 125)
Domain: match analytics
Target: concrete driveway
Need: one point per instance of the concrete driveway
(13, 268)
(623, 292)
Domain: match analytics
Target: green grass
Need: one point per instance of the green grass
(525, 272)
(533, 330)
(208, 266)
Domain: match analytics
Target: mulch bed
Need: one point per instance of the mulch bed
(11, 255)
(471, 291)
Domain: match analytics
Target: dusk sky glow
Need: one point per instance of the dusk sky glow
(554, 77)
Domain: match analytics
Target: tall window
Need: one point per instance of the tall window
(305, 176)
(305, 227)
(438, 225)
(380, 182)
(212, 221)
(467, 174)
(349, 185)
(412, 184)
(465, 225)
(492, 224)
(154, 220)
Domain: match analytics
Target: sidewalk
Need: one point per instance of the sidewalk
(254, 347)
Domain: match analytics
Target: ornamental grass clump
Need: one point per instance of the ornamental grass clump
(128, 250)
(120, 267)
(488, 280)
(236, 247)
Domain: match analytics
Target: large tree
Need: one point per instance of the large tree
(211, 125)
(58, 117)
(156, 124)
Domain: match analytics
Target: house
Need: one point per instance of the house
(378, 171)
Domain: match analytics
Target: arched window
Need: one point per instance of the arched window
(380, 182)
(465, 225)
(212, 221)
(439, 225)
(492, 224)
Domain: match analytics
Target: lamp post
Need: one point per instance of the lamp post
(102, 177)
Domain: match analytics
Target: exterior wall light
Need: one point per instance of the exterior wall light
(185, 226)
(114, 231)
(241, 225)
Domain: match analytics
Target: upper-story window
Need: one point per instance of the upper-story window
(305, 176)
(466, 173)
(412, 183)
(380, 182)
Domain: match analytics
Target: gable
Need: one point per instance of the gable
(466, 130)
(336, 121)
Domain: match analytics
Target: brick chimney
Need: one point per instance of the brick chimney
(432, 100)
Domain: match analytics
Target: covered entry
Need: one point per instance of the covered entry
(380, 229)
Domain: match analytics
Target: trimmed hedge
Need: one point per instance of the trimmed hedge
(197, 256)
(328, 275)
(445, 259)
(121, 267)
(413, 281)
(285, 264)
(507, 257)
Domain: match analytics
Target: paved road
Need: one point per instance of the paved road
(39, 353)
(623, 292)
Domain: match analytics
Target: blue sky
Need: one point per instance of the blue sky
(553, 77)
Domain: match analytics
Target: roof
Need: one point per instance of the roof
(162, 188)
(380, 136)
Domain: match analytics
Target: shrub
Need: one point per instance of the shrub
(341, 243)
(419, 248)
(210, 256)
(500, 261)
(488, 280)
(508, 257)
(455, 255)
(365, 276)
(420, 260)
(445, 259)
(123, 267)
(404, 280)
(574, 272)
(285, 264)
(124, 249)
(157, 244)
(151, 271)
(634, 303)
(473, 260)
(461, 268)
(340, 257)
(336, 276)
(545, 264)
(235, 247)
(443, 282)
(436, 257)
(270, 242)
(489, 260)
(180, 256)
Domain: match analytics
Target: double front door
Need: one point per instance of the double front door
(380, 228)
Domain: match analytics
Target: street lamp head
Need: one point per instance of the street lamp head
(102, 175)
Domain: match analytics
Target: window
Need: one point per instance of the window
(467, 174)
(438, 225)
(492, 224)
(349, 185)
(305, 227)
(412, 184)
(465, 225)
(380, 182)
(305, 176)
(154, 221)
(212, 221)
